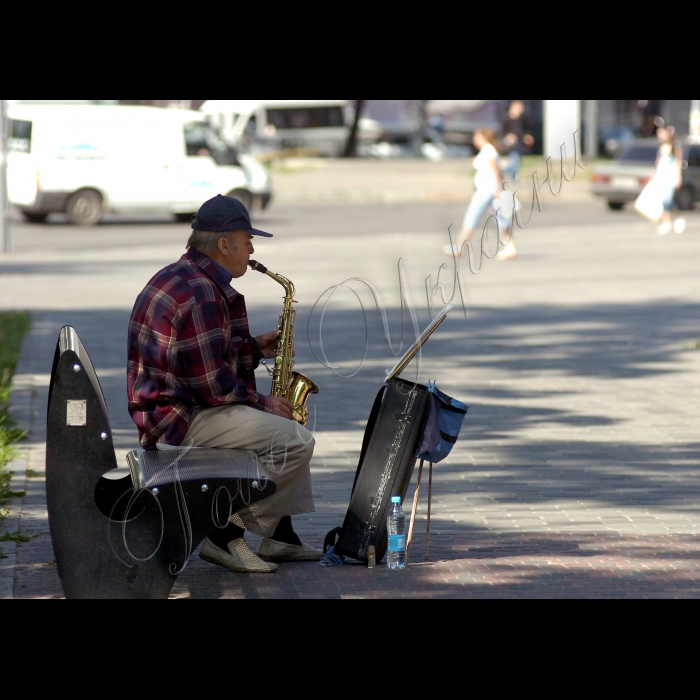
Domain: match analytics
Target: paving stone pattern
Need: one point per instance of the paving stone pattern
(577, 474)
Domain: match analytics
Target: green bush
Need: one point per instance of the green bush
(13, 328)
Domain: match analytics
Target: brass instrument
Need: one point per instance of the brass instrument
(295, 387)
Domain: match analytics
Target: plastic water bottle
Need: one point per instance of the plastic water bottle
(396, 525)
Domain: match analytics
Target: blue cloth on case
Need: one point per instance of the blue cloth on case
(442, 427)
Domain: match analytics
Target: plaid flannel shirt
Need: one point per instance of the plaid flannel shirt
(189, 346)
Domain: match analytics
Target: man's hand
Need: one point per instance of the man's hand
(267, 342)
(281, 407)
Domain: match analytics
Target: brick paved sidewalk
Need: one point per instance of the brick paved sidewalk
(463, 564)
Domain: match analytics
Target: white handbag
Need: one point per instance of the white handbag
(649, 203)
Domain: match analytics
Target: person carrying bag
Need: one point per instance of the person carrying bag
(657, 200)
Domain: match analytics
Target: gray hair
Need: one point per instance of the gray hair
(206, 242)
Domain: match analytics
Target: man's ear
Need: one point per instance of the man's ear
(222, 245)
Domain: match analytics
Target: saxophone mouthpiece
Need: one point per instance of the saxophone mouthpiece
(255, 265)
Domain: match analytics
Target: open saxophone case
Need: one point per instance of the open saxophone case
(408, 421)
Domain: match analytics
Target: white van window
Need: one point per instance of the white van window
(21, 136)
(252, 126)
(306, 117)
(202, 139)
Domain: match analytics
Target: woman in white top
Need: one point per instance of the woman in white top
(488, 183)
(668, 175)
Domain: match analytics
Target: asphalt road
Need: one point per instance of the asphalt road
(333, 219)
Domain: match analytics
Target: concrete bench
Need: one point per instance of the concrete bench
(128, 532)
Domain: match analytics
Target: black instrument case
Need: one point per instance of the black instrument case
(389, 449)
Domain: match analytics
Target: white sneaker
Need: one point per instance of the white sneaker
(679, 225)
(664, 228)
(508, 253)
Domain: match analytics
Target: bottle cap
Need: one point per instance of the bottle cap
(396, 499)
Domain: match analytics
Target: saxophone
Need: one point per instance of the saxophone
(295, 387)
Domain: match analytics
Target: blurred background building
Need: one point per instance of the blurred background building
(398, 119)
(409, 123)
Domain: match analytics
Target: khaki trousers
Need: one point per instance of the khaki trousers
(284, 450)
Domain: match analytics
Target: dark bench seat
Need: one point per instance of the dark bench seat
(128, 533)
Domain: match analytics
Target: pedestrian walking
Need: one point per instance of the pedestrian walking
(436, 123)
(489, 193)
(516, 136)
(659, 194)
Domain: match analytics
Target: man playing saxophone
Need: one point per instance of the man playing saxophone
(191, 382)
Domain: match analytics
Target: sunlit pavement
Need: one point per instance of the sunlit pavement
(577, 471)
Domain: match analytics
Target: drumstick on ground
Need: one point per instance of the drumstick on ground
(430, 503)
(414, 510)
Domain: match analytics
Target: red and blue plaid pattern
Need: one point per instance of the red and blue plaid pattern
(189, 346)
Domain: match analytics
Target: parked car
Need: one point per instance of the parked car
(86, 160)
(622, 180)
(274, 125)
(461, 118)
(390, 121)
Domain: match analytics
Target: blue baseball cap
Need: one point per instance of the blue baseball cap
(223, 214)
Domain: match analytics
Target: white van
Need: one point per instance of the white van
(86, 160)
(283, 124)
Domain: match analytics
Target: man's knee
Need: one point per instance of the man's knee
(306, 443)
(298, 444)
(309, 447)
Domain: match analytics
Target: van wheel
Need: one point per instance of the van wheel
(616, 206)
(184, 218)
(84, 208)
(33, 218)
(244, 197)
